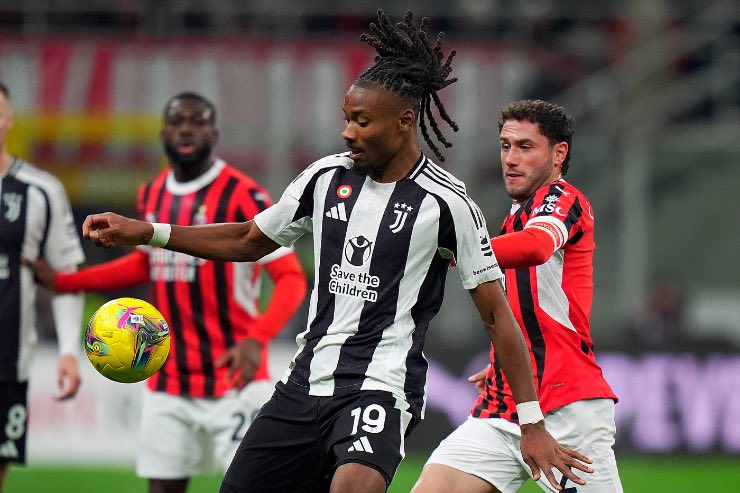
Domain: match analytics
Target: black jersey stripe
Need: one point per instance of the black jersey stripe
(418, 167)
(162, 376)
(477, 218)
(11, 239)
(527, 306)
(388, 263)
(431, 294)
(219, 268)
(47, 224)
(444, 175)
(574, 214)
(333, 233)
(181, 347)
(197, 300)
(305, 207)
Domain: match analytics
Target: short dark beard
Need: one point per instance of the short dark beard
(188, 162)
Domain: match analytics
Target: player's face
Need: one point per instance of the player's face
(188, 133)
(528, 159)
(6, 118)
(372, 128)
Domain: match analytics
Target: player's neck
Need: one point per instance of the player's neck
(399, 166)
(5, 160)
(188, 173)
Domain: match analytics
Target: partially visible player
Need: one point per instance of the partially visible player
(546, 250)
(386, 222)
(191, 415)
(35, 220)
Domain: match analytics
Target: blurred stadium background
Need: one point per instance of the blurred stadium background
(655, 90)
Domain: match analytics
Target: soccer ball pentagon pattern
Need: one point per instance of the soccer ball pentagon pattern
(127, 340)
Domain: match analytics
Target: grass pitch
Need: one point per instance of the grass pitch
(640, 474)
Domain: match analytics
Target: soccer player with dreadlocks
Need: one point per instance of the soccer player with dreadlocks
(386, 223)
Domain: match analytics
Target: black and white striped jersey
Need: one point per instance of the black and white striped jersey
(35, 220)
(382, 251)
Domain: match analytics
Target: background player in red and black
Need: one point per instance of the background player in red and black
(219, 335)
(546, 252)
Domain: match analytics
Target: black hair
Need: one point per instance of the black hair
(4, 90)
(192, 96)
(411, 68)
(554, 122)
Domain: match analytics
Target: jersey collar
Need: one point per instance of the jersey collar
(183, 188)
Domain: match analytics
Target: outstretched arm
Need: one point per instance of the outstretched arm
(540, 451)
(231, 242)
(525, 248)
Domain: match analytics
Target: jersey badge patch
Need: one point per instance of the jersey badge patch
(13, 203)
(401, 211)
(344, 191)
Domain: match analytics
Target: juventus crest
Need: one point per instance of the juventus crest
(401, 211)
(13, 203)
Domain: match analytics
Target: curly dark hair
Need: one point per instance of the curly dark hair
(407, 65)
(554, 122)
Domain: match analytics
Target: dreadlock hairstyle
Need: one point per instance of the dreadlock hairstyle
(411, 68)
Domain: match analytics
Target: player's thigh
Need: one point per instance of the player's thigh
(368, 427)
(480, 450)
(588, 427)
(281, 450)
(170, 444)
(439, 478)
(13, 421)
(233, 415)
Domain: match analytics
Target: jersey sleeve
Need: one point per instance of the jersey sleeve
(62, 247)
(251, 203)
(556, 210)
(291, 217)
(476, 262)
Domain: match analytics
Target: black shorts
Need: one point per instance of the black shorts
(13, 421)
(297, 441)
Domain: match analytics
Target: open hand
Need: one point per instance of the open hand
(68, 378)
(244, 358)
(542, 453)
(110, 230)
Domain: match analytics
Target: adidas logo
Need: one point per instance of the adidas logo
(8, 449)
(338, 212)
(361, 445)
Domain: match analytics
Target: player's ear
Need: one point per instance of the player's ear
(407, 120)
(559, 153)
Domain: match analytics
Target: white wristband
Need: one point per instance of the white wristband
(529, 412)
(161, 234)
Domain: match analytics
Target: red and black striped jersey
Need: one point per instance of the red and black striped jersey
(209, 305)
(552, 304)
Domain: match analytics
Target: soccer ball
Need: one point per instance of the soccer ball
(127, 340)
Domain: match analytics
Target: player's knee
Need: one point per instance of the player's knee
(353, 477)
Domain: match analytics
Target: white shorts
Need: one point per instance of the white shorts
(182, 436)
(489, 448)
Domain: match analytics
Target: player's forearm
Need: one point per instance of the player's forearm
(506, 336)
(124, 272)
(512, 352)
(526, 248)
(67, 312)
(228, 242)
